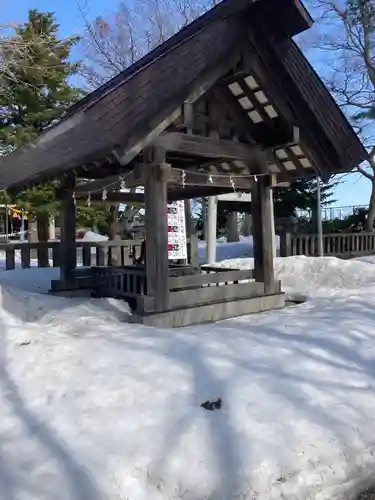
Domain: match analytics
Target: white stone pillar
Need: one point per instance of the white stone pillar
(211, 229)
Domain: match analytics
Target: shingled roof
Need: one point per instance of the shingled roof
(147, 97)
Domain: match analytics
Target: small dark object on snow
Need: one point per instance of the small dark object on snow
(212, 405)
(367, 495)
(23, 344)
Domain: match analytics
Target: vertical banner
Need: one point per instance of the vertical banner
(177, 248)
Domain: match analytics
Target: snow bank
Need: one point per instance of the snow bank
(94, 408)
(91, 237)
(307, 277)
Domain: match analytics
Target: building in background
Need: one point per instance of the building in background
(12, 221)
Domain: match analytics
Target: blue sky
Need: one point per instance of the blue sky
(354, 190)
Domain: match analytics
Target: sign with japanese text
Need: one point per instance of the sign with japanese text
(177, 249)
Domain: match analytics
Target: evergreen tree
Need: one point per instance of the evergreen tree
(301, 195)
(38, 92)
(33, 95)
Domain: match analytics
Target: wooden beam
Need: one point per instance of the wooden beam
(188, 193)
(235, 197)
(114, 197)
(136, 179)
(159, 124)
(211, 148)
(68, 252)
(157, 265)
(127, 156)
(189, 117)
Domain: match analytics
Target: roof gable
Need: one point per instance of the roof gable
(236, 41)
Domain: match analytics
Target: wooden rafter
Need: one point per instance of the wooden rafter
(206, 147)
(295, 160)
(246, 125)
(259, 62)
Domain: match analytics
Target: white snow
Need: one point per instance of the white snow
(95, 408)
(92, 237)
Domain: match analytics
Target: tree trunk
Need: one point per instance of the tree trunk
(246, 225)
(32, 231)
(114, 255)
(369, 226)
(232, 228)
(52, 228)
(42, 222)
(113, 221)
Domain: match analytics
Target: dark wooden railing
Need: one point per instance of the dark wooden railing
(119, 282)
(343, 245)
(188, 285)
(101, 253)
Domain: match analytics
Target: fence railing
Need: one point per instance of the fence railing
(47, 254)
(335, 244)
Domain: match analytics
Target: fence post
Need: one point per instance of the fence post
(285, 244)
(10, 258)
(25, 257)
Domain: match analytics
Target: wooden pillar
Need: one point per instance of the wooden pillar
(157, 266)
(319, 222)
(263, 233)
(68, 253)
(274, 249)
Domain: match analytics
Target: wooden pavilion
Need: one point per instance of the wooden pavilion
(228, 103)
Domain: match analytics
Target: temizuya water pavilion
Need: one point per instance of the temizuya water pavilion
(228, 101)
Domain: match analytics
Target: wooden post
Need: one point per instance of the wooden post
(285, 244)
(211, 229)
(263, 233)
(274, 249)
(68, 253)
(319, 218)
(157, 265)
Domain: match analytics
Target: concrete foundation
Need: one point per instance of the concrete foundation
(209, 313)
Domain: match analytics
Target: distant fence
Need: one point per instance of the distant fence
(332, 213)
(343, 245)
(47, 254)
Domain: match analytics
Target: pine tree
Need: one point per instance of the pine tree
(301, 195)
(34, 94)
(38, 92)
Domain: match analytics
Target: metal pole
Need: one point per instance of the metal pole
(6, 224)
(22, 232)
(211, 229)
(319, 218)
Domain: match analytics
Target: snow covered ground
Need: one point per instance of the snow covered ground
(94, 408)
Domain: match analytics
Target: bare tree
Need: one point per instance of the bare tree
(112, 43)
(344, 51)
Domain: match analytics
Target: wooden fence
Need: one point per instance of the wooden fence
(39, 254)
(343, 245)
